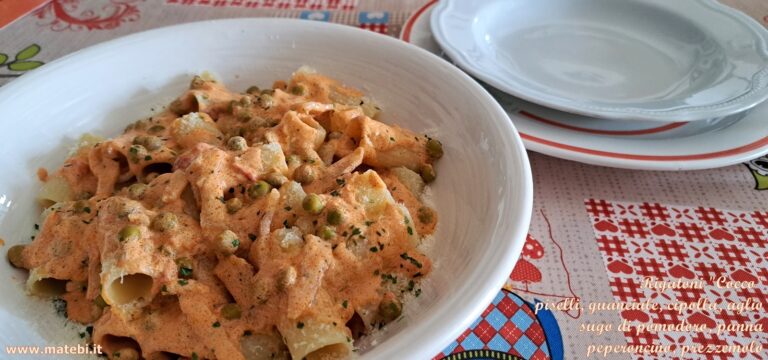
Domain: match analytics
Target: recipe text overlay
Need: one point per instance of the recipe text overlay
(681, 308)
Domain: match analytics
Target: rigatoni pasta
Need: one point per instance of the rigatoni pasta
(266, 224)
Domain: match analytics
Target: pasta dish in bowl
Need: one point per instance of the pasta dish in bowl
(238, 225)
(305, 219)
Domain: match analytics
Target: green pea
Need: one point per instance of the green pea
(428, 173)
(293, 160)
(299, 90)
(164, 222)
(266, 101)
(231, 311)
(185, 267)
(140, 124)
(434, 149)
(129, 232)
(426, 215)
(237, 143)
(254, 90)
(286, 278)
(228, 242)
(313, 204)
(15, 256)
(99, 302)
(197, 83)
(177, 107)
(326, 232)
(259, 189)
(234, 205)
(156, 129)
(334, 217)
(136, 191)
(276, 179)
(153, 143)
(232, 106)
(245, 101)
(137, 153)
(81, 206)
(304, 174)
(390, 309)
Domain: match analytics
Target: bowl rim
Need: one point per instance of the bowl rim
(473, 296)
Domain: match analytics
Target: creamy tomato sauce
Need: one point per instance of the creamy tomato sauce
(277, 223)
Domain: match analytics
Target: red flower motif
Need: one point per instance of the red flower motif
(62, 15)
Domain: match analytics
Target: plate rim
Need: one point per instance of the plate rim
(757, 93)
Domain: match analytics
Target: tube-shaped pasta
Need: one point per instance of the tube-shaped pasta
(371, 192)
(86, 140)
(236, 274)
(264, 346)
(163, 327)
(340, 168)
(194, 128)
(313, 337)
(55, 190)
(388, 145)
(128, 255)
(298, 134)
(41, 284)
(260, 160)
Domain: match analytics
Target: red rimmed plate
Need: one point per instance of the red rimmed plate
(632, 145)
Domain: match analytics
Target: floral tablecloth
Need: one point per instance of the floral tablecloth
(618, 263)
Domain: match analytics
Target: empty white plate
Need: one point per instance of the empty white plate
(641, 145)
(655, 60)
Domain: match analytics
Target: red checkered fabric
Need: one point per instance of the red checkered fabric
(599, 208)
(626, 289)
(633, 228)
(710, 216)
(654, 211)
(691, 232)
(649, 267)
(760, 218)
(700, 246)
(612, 245)
(751, 237)
(671, 250)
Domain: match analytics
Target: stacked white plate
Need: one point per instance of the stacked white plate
(639, 84)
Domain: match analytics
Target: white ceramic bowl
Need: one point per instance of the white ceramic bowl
(483, 192)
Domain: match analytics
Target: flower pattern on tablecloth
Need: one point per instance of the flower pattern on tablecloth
(60, 15)
(21, 62)
(686, 243)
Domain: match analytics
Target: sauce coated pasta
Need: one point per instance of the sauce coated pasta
(271, 224)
